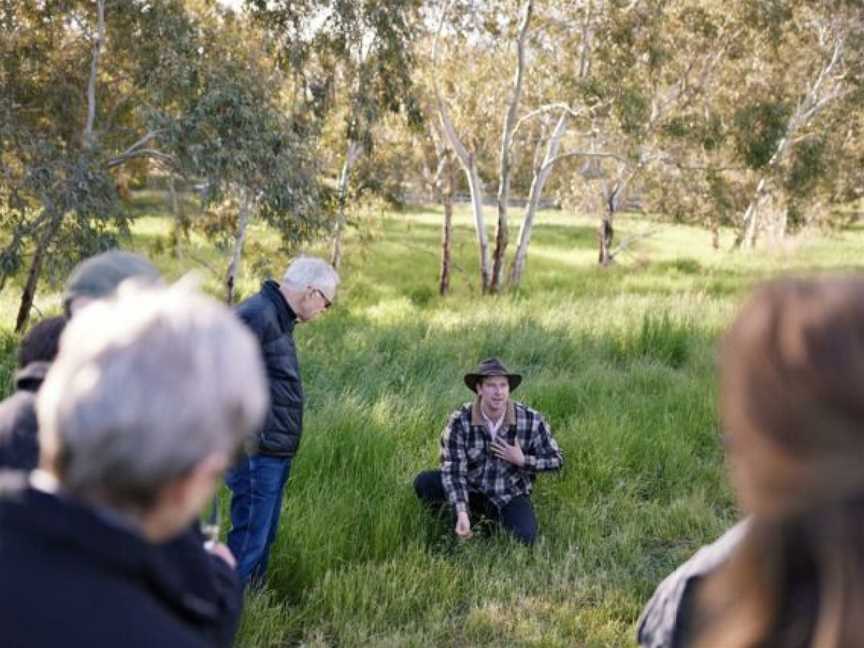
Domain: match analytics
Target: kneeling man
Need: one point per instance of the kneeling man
(491, 451)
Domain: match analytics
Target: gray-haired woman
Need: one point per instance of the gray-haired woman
(149, 398)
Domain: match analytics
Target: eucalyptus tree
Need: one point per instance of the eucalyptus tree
(80, 81)
(357, 55)
(495, 15)
(245, 145)
(654, 64)
(785, 133)
(531, 42)
(90, 90)
(773, 141)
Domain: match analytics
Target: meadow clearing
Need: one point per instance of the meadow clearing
(620, 361)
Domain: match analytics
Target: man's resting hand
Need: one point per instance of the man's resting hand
(463, 525)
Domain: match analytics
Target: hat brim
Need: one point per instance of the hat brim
(472, 379)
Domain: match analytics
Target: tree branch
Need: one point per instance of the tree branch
(544, 109)
(630, 240)
(141, 142)
(446, 124)
(143, 153)
(588, 154)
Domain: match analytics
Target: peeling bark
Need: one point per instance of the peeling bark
(501, 236)
(449, 182)
(351, 157)
(88, 137)
(537, 184)
(237, 254)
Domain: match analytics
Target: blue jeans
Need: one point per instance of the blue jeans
(256, 483)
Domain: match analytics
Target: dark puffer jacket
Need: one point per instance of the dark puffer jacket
(19, 444)
(272, 321)
(73, 578)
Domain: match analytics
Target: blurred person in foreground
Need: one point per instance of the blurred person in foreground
(19, 447)
(205, 571)
(148, 400)
(97, 277)
(258, 480)
(491, 451)
(792, 409)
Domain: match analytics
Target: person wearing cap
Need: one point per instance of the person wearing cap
(99, 276)
(491, 451)
(258, 480)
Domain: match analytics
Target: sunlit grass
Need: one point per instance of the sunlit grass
(621, 362)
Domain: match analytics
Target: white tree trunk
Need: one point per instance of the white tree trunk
(88, 137)
(351, 157)
(239, 241)
(501, 237)
(537, 184)
(475, 187)
(824, 89)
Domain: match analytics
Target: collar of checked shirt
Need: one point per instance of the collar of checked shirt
(479, 418)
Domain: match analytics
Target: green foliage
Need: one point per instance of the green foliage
(706, 131)
(59, 188)
(633, 110)
(758, 129)
(809, 165)
(8, 360)
(360, 50)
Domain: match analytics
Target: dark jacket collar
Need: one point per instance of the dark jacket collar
(286, 315)
(60, 524)
(477, 414)
(30, 377)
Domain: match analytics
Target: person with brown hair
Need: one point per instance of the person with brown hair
(492, 450)
(792, 409)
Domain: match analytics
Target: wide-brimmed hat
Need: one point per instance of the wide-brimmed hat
(491, 367)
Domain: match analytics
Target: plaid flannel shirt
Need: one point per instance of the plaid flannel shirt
(468, 464)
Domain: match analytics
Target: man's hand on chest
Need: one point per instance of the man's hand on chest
(511, 453)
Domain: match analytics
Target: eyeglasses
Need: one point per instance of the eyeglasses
(327, 302)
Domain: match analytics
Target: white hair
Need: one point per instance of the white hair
(312, 271)
(145, 386)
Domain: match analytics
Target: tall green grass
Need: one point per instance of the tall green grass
(620, 361)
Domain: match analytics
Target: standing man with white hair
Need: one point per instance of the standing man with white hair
(258, 480)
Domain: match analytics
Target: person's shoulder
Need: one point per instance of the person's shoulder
(464, 410)
(19, 428)
(253, 303)
(257, 311)
(525, 410)
(461, 413)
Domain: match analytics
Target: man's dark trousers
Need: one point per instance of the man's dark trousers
(257, 483)
(516, 517)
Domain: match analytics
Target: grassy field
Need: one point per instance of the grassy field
(619, 360)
